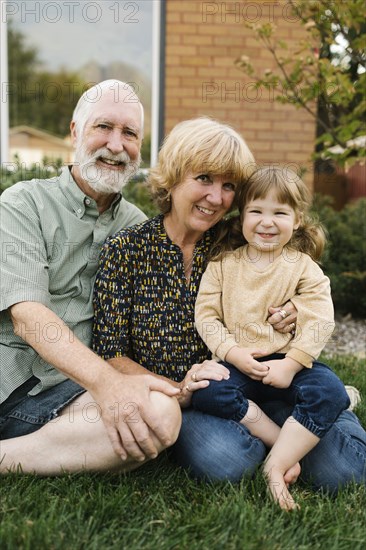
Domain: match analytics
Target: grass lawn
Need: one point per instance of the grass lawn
(159, 507)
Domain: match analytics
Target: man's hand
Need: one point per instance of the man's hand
(281, 372)
(127, 413)
(124, 400)
(283, 318)
(243, 360)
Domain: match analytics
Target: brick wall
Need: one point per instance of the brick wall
(203, 39)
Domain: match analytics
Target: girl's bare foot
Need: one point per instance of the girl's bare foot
(278, 487)
(292, 474)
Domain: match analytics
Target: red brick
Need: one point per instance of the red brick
(275, 132)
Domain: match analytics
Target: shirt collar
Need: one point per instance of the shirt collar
(77, 199)
(115, 206)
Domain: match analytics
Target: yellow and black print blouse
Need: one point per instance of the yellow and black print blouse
(143, 306)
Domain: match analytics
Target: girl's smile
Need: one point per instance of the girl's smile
(268, 224)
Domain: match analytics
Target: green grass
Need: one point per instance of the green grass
(159, 507)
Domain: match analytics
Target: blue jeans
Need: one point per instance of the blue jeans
(211, 447)
(223, 449)
(21, 414)
(219, 449)
(317, 394)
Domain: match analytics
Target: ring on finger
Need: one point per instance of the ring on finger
(292, 326)
(283, 313)
(194, 377)
(187, 388)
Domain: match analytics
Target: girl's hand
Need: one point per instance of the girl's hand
(283, 318)
(281, 372)
(198, 377)
(243, 360)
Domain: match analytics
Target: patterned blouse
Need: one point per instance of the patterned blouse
(143, 305)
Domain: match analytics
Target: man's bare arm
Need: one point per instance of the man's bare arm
(115, 393)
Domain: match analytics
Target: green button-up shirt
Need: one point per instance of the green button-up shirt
(51, 234)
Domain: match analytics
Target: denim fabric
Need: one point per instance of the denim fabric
(340, 456)
(317, 394)
(21, 414)
(218, 449)
(215, 448)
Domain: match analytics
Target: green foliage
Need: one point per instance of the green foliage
(326, 70)
(159, 507)
(145, 151)
(345, 258)
(15, 171)
(137, 191)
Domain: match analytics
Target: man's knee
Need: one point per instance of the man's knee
(169, 413)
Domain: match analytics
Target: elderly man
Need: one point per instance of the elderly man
(62, 407)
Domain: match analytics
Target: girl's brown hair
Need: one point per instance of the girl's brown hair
(289, 189)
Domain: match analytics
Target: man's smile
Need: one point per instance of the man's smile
(111, 162)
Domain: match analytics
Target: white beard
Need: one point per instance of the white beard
(100, 178)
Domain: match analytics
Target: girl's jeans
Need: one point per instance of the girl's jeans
(317, 395)
(220, 448)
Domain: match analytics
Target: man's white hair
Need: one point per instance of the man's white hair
(90, 97)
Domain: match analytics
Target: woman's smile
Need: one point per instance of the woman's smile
(204, 210)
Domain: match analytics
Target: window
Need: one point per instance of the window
(56, 50)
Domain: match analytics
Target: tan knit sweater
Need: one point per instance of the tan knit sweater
(234, 297)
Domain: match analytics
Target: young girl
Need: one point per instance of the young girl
(276, 264)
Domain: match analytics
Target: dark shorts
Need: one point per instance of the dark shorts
(21, 414)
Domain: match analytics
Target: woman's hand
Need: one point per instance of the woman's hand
(283, 318)
(198, 377)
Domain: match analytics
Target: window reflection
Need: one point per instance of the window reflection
(56, 50)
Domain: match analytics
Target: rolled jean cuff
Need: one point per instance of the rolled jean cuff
(241, 413)
(310, 425)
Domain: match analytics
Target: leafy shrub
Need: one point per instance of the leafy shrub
(344, 260)
(15, 171)
(137, 191)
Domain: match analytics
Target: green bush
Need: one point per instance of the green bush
(15, 171)
(344, 260)
(137, 191)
